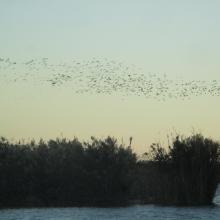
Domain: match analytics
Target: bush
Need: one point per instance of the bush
(65, 172)
(189, 170)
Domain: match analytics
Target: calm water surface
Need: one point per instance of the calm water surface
(146, 212)
(135, 212)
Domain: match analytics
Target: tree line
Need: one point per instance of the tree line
(103, 172)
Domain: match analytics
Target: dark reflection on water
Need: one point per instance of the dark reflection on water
(134, 212)
(145, 212)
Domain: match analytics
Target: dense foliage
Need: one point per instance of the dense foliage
(65, 172)
(186, 174)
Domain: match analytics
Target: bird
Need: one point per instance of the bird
(105, 76)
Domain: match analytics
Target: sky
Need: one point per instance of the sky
(173, 37)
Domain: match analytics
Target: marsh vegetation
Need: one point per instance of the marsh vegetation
(66, 172)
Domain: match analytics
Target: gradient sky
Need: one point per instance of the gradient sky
(179, 38)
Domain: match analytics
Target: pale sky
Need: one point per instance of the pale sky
(179, 38)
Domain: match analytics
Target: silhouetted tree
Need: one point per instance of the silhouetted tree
(186, 174)
(65, 172)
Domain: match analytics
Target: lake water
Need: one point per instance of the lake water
(145, 212)
(136, 212)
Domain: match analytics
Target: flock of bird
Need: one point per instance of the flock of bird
(103, 76)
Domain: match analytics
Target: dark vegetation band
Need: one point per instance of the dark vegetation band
(66, 172)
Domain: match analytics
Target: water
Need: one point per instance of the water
(145, 212)
(136, 212)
